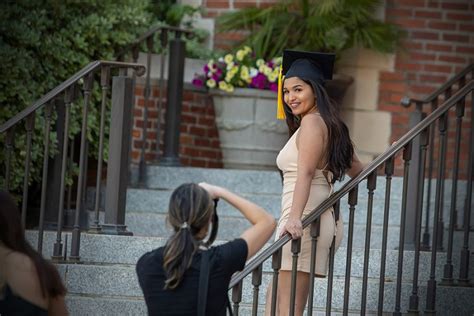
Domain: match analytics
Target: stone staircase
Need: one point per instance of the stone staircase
(105, 283)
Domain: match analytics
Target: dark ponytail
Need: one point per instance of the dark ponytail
(340, 150)
(189, 213)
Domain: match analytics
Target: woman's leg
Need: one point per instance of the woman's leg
(284, 292)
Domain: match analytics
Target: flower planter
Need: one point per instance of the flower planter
(249, 133)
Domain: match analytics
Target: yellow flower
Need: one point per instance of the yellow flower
(230, 88)
(228, 58)
(267, 71)
(211, 83)
(260, 62)
(244, 73)
(240, 54)
(223, 85)
(229, 76)
(272, 77)
(247, 49)
(234, 69)
(230, 65)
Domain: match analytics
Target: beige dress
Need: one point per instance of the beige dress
(320, 190)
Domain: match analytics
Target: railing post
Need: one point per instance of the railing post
(117, 168)
(413, 181)
(175, 96)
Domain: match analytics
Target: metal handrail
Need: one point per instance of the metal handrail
(406, 101)
(91, 67)
(336, 196)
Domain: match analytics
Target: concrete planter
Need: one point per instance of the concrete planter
(249, 132)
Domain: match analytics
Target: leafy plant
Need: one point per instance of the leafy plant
(313, 25)
(173, 14)
(42, 43)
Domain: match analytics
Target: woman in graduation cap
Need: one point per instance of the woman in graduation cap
(318, 152)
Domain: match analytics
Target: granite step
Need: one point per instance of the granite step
(103, 281)
(124, 251)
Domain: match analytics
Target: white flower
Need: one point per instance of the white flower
(253, 72)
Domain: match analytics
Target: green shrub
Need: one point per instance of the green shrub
(42, 43)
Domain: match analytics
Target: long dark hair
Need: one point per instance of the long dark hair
(13, 237)
(190, 210)
(340, 150)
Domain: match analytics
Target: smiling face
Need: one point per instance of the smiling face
(299, 96)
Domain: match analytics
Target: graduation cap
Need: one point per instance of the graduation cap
(317, 67)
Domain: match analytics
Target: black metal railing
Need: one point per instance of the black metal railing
(424, 131)
(56, 109)
(422, 107)
(163, 35)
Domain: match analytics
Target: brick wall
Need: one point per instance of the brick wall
(199, 139)
(439, 43)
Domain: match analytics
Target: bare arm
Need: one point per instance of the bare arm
(356, 167)
(263, 223)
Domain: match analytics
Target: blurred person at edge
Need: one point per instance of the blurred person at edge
(29, 285)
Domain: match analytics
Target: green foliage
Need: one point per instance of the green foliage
(313, 25)
(42, 43)
(171, 13)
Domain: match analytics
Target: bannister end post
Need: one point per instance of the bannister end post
(405, 102)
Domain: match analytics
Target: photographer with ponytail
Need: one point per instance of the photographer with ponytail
(170, 276)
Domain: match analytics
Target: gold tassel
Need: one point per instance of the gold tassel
(280, 111)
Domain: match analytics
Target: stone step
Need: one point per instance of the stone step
(267, 182)
(119, 282)
(124, 251)
(451, 301)
(148, 224)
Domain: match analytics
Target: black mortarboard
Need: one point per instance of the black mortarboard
(306, 65)
(317, 67)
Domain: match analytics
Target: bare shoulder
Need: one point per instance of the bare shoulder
(19, 262)
(22, 277)
(314, 125)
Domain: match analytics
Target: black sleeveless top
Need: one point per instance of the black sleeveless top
(12, 304)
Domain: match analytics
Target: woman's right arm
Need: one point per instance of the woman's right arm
(263, 223)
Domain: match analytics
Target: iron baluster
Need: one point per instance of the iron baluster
(237, 297)
(406, 158)
(105, 86)
(163, 41)
(347, 283)
(448, 267)
(414, 299)
(371, 185)
(425, 245)
(389, 167)
(314, 232)
(295, 250)
(76, 231)
(276, 265)
(147, 91)
(58, 246)
(30, 125)
(463, 279)
(431, 290)
(44, 179)
(440, 243)
(9, 149)
(256, 282)
(332, 252)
